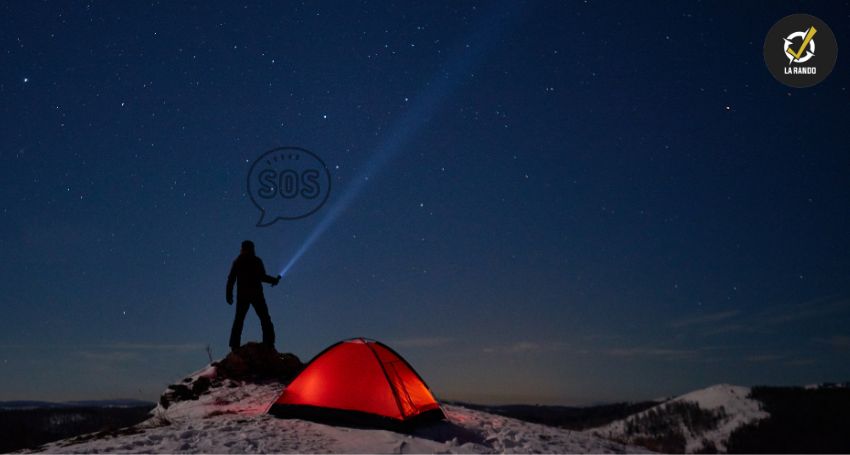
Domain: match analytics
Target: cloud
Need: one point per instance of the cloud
(533, 347)
(120, 346)
(837, 342)
(761, 358)
(763, 322)
(178, 347)
(108, 356)
(729, 328)
(423, 342)
(811, 309)
(704, 319)
(525, 347)
(653, 352)
(121, 354)
(800, 362)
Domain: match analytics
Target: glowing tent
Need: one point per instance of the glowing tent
(361, 382)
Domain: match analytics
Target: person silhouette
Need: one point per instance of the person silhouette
(249, 274)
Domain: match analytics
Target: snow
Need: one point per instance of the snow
(467, 431)
(233, 419)
(739, 410)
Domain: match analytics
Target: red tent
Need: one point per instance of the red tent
(362, 382)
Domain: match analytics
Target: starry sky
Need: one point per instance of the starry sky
(538, 202)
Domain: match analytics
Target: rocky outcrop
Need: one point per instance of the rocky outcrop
(256, 361)
(252, 362)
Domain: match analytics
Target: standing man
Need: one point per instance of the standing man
(248, 273)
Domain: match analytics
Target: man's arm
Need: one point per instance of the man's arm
(273, 280)
(231, 279)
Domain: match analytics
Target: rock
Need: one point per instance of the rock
(256, 361)
(180, 390)
(176, 392)
(201, 385)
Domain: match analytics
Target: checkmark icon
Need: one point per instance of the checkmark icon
(796, 55)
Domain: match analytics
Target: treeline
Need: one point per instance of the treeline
(569, 417)
(662, 429)
(801, 421)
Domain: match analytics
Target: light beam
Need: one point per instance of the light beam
(463, 60)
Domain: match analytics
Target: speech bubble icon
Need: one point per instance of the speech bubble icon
(288, 183)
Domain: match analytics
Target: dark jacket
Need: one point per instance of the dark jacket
(249, 274)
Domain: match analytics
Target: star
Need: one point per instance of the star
(26, 79)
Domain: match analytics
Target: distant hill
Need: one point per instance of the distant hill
(700, 421)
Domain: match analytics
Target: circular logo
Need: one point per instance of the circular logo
(800, 50)
(288, 183)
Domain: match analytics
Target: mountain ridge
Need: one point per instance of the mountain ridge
(37, 404)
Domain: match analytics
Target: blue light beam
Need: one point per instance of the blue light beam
(463, 60)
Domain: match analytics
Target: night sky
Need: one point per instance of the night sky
(554, 202)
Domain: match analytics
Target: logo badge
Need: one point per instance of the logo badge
(288, 183)
(800, 50)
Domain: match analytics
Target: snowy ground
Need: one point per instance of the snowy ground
(232, 419)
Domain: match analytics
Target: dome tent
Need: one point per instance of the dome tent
(359, 382)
